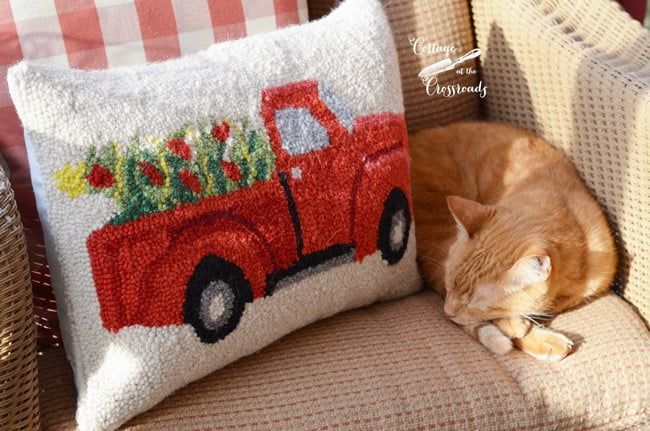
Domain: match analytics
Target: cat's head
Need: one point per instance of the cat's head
(496, 267)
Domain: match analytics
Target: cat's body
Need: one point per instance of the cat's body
(506, 231)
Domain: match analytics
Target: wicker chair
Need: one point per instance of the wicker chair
(577, 73)
(18, 373)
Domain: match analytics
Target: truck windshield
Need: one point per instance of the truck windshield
(337, 106)
(300, 132)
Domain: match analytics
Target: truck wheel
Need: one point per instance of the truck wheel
(394, 227)
(215, 298)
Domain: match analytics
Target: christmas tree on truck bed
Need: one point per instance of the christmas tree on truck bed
(149, 175)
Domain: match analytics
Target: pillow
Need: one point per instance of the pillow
(99, 35)
(200, 208)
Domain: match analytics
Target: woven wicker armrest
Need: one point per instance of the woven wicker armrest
(18, 373)
(578, 73)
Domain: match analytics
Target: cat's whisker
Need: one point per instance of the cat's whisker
(541, 315)
(525, 316)
(536, 317)
(436, 245)
(432, 260)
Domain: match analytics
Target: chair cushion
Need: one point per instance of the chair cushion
(401, 364)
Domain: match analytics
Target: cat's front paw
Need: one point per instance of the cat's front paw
(492, 338)
(545, 344)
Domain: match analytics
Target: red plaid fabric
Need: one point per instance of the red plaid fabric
(103, 34)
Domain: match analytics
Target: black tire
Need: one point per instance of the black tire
(216, 279)
(394, 227)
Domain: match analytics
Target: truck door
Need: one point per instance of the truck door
(317, 170)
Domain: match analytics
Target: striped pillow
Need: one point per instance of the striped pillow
(104, 34)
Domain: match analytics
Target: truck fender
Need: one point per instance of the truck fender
(168, 277)
(380, 174)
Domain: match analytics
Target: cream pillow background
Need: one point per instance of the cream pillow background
(64, 112)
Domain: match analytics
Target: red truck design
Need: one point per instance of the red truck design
(339, 192)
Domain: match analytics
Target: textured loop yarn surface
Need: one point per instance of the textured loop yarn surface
(196, 216)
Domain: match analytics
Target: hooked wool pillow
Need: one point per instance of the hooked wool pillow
(201, 208)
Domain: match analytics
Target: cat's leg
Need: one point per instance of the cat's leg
(490, 336)
(513, 327)
(542, 343)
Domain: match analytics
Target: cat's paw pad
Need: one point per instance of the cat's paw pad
(492, 338)
(546, 345)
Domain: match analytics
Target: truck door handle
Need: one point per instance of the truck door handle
(296, 173)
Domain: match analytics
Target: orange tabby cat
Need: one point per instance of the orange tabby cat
(507, 232)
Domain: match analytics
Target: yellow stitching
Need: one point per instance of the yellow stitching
(118, 171)
(165, 168)
(244, 147)
(72, 180)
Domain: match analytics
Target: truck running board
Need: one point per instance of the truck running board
(310, 265)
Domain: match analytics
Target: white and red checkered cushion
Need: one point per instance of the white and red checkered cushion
(103, 34)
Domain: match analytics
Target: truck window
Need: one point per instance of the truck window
(300, 132)
(337, 106)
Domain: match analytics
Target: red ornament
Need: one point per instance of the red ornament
(180, 148)
(100, 177)
(221, 132)
(190, 181)
(152, 172)
(231, 170)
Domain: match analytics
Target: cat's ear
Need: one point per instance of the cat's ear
(469, 215)
(531, 269)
